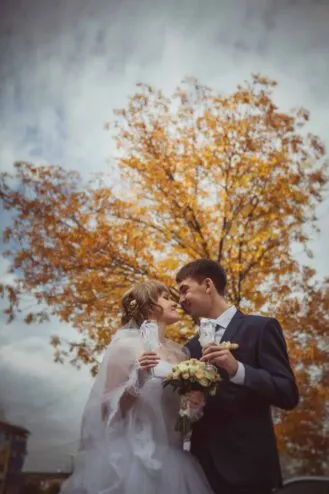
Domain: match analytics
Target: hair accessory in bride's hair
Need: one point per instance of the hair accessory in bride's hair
(132, 308)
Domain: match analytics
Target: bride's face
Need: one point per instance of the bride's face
(169, 313)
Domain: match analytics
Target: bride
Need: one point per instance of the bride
(128, 438)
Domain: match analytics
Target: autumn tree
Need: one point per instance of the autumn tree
(226, 177)
(304, 433)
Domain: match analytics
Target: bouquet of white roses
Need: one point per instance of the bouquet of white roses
(191, 375)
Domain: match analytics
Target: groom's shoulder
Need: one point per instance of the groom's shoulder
(193, 342)
(257, 320)
(193, 348)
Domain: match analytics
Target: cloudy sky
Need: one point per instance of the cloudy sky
(64, 66)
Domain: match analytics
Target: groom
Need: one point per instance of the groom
(235, 441)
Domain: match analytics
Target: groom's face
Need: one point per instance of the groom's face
(194, 297)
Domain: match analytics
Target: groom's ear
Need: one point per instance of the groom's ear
(208, 284)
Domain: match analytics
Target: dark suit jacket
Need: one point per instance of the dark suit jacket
(236, 431)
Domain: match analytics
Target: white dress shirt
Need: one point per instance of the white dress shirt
(223, 321)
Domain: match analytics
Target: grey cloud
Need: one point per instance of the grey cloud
(44, 397)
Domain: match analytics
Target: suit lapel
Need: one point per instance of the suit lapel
(233, 327)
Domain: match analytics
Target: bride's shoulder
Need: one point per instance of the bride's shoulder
(171, 343)
(175, 349)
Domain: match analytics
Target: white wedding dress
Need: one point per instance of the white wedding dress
(138, 451)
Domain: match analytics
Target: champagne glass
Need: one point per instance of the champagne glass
(207, 332)
(150, 335)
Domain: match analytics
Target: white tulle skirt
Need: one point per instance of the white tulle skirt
(179, 473)
(138, 451)
(176, 471)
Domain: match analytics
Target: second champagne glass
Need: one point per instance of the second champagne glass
(150, 335)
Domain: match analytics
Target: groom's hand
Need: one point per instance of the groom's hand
(221, 357)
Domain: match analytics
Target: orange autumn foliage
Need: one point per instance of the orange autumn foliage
(304, 433)
(226, 177)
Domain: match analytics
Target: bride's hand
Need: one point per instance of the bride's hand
(148, 360)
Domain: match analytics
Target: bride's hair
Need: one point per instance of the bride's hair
(140, 300)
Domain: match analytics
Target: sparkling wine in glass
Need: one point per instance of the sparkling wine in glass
(207, 332)
(150, 335)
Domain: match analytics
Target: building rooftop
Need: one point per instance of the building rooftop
(15, 429)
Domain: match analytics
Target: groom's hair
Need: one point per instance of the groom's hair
(202, 269)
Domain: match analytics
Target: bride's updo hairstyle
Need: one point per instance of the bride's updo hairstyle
(140, 300)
